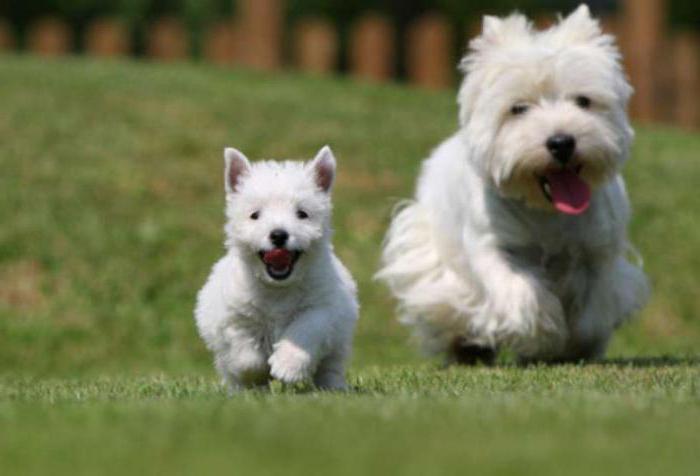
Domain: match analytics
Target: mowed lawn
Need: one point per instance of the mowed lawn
(111, 212)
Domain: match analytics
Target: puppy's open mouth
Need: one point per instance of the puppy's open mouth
(566, 190)
(279, 262)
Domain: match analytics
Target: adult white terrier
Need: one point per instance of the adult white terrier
(517, 236)
(279, 304)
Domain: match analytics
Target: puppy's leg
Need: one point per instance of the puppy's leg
(296, 355)
(519, 310)
(330, 374)
(243, 363)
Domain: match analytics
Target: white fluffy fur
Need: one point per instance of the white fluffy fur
(480, 255)
(294, 330)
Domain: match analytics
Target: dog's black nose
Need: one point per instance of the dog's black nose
(279, 237)
(561, 146)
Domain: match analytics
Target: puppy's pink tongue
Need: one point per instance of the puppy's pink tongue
(278, 258)
(570, 194)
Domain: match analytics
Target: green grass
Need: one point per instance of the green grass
(112, 212)
(612, 419)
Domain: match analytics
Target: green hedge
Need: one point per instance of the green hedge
(198, 13)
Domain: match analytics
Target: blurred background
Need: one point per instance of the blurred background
(416, 41)
(114, 115)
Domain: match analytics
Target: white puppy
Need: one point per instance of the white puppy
(279, 304)
(517, 236)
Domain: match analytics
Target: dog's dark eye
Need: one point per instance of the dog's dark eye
(584, 102)
(519, 109)
(255, 215)
(302, 215)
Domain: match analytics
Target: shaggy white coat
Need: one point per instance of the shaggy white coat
(481, 256)
(295, 330)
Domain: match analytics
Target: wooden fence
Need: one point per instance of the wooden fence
(664, 65)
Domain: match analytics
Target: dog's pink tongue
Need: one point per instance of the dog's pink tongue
(570, 194)
(278, 258)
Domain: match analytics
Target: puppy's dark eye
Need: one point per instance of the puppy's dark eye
(584, 102)
(302, 215)
(255, 215)
(519, 109)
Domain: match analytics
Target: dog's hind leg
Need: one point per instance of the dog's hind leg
(462, 352)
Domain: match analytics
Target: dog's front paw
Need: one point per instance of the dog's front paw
(532, 314)
(290, 363)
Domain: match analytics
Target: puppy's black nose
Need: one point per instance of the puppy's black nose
(561, 146)
(279, 237)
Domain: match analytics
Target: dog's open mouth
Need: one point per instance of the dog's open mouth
(566, 190)
(279, 262)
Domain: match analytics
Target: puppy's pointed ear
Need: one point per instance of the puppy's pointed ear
(236, 166)
(323, 168)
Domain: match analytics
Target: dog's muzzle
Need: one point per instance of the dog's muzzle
(566, 190)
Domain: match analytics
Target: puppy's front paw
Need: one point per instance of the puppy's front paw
(244, 367)
(290, 363)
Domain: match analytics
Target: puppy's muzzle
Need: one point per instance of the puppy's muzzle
(279, 261)
(279, 237)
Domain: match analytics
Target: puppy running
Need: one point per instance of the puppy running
(279, 304)
(517, 237)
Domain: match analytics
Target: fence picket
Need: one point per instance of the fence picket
(221, 43)
(107, 37)
(430, 60)
(686, 73)
(7, 36)
(262, 22)
(372, 48)
(50, 36)
(644, 32)
(168, 40)
(315, 45)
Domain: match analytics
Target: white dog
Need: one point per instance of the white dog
(517, 236)
(279, 304)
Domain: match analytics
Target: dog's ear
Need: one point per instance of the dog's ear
(237, 165)
(499, 31)
(582, 14)
(579, 26)
(491, 28)
(323, 168)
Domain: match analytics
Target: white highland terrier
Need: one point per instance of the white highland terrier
(279, 304)
(517, 236)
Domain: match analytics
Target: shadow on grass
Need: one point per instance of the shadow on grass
(657, 361)
(629, 362)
